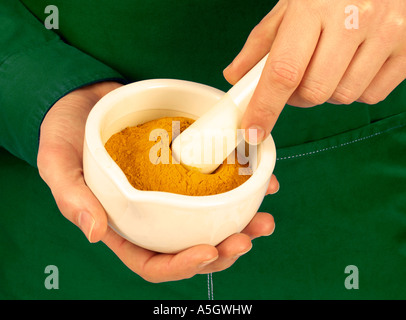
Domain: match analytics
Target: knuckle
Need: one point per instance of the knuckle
(366, 8)
(66, 206)
(149, 278)
(257, 32)
(344, 95)
(286, 74)
(314, 92)
(263, 109)
(41, 167)
(389, 32)
(370, 98)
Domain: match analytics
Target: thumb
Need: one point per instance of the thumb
(60, 157)
(76, 202)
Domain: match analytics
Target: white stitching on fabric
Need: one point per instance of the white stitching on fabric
(208, 286)
(340, 145)
(210, 293)
(212, 288)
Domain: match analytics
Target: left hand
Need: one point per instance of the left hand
(60, 165)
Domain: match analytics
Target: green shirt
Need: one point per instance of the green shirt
(342, 169)
(136, 40)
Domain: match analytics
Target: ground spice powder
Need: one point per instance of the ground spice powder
(131, 148)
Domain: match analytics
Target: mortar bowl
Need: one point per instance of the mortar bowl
(162, 221)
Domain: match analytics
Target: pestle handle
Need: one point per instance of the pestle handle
(201, 146)
(242, 91)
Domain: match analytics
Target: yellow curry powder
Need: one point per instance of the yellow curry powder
(131, 149)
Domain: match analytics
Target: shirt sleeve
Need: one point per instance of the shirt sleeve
(37, 68)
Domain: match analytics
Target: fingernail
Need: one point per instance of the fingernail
(86, 224)
(255, 135)
(207, 262)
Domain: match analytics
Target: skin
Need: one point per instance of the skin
(60, 166)
(313, 59)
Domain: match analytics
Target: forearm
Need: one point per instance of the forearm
(36, 69)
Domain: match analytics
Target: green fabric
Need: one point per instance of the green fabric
(36, 69)
(193, 40)
(342, 169)
(34, 235)
(353, 214)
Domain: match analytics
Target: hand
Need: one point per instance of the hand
(314, 57)
(60, 166)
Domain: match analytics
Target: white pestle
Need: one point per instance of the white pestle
(210, 139)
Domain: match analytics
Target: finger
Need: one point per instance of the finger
(360, 72)
(263, 224)
(392, 73)
(333, 55)
(239, 244)
(228, 252)
(258, 44)
(288, 59)
(273, 186)
(157, 267)
(60, 157)
(63, 174)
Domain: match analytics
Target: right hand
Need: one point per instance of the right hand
(314, 57)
